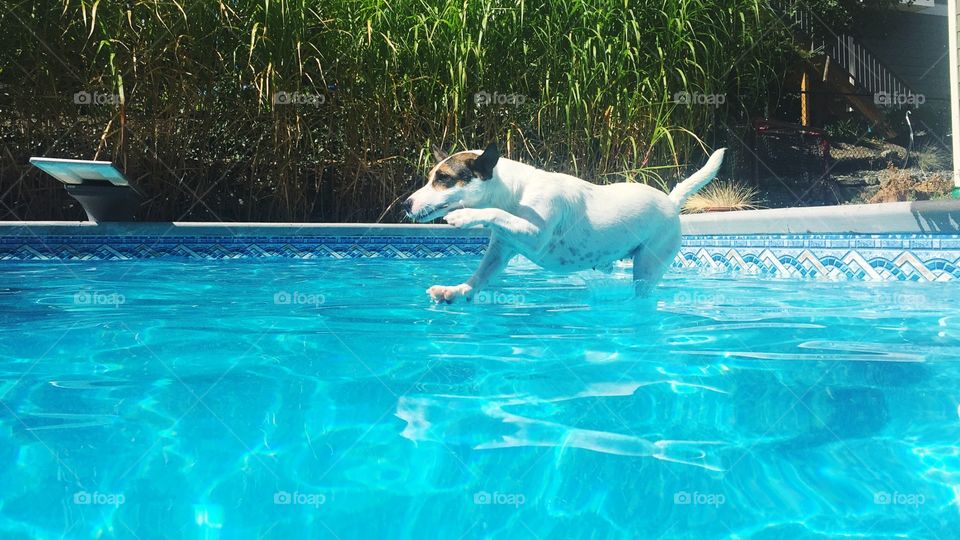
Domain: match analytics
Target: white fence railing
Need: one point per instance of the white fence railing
(866, 71)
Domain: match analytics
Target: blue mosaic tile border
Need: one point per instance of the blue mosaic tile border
(124, 247)
(872, 257)
(917, 257)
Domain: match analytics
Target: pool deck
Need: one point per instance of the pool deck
(935, 217)
(930, 217)
(918, 241)
(189, 228)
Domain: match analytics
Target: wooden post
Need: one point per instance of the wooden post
(805, 99)
(952, 29)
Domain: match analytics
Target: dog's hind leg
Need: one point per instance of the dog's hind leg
(651, 261)
(641, 273)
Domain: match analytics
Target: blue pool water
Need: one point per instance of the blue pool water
(329, 399)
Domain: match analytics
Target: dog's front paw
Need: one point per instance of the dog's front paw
(448, 295)
(465, 217)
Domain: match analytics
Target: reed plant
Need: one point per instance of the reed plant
(325, 110)
(722, 197)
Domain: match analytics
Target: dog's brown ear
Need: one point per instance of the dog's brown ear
(439, 154)
(484, 164)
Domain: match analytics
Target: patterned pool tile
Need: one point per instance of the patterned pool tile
(875, 257)
(918, 257)
(97, 247)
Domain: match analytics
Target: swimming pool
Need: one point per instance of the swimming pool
(327, 398)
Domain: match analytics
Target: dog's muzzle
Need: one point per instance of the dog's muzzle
(429, 213)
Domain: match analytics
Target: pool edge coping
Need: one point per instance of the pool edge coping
(923, 217)
(930, 217)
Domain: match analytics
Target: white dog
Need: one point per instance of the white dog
(557, 221)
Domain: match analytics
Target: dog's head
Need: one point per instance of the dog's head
(457, 181)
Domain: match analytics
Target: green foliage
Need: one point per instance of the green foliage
(850, 130)
(932, 157)
(196, 124)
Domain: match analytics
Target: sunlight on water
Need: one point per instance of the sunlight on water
(290, 399)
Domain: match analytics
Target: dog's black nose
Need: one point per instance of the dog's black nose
(407, 205)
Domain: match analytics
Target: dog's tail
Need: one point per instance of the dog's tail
(697, 180)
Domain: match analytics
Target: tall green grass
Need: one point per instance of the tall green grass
(198, 129)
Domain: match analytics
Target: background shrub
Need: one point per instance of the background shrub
(589, 89)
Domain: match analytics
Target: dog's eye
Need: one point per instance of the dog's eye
(444, 181)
